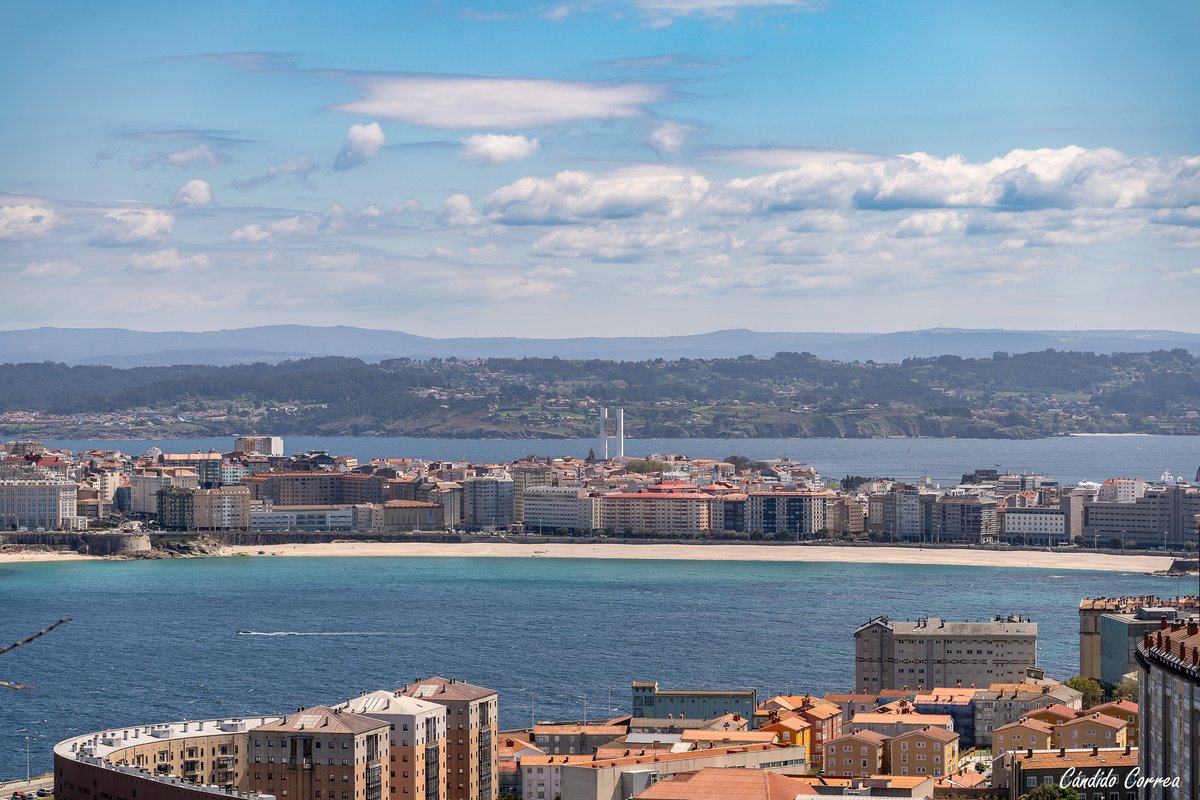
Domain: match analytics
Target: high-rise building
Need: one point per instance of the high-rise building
(471, 735)
(965, 518)
(320, 752)
(32, 500)
(890, 654)
(1169, 707)
(1091, 609)
(526, 475)
(220, 509)
(1162, 517)
(144, 486)
(487, 502)
(259, 445)
(207, 466)
(417, 731)
(796, 514)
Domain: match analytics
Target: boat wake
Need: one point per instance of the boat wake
(311, 633)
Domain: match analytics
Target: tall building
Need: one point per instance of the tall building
(471, 736)
(890, 654)
(549, 509)
(177, 508)
(207, 466)
(320, 752)
(1162, 517)
(650, 701)
(655, 511)
(487, 502)
(417, 733)
(965, 518)
(30, 500)
(1169, 707)
(221, 509)
(144, 486)
(1120, 634)
(1091, 609)
(526, 475)
(796, 514)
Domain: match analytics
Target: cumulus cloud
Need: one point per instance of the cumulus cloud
(493, 148)
(25, 219)
(462, 102)
(195, 193)
(1022, 180)
(250, 234)
(362, 143)
(166, 260)
(51, 269)
(668, 136)
(558, 13)
(126, 225)
(201, 152)
(550, 272)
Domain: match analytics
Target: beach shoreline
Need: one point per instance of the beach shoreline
(1033, 559)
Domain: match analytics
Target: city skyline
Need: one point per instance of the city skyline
(643, 168)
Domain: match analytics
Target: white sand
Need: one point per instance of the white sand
(1068, 560)
(727, 552)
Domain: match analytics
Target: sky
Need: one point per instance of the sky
(635, 167)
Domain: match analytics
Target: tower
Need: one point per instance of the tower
(619, 416)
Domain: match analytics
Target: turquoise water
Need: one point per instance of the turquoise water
(158, 641)
(1069, 459)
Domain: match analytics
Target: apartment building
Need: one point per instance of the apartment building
(1019, 772)
(144, 486)
(1162, 517)
(1000, 704)
(1169, 704)
(649, 511)
(965, 518)
(487, 502)
(825, 719)
(526, 475)
(320, 752)
(1023, 734)
(958, 703)
(259, 445)
(890, 654)
(38, 501)
(1091, 730)
(568, 739)
(891, 723)
(856, 755)
(1091, 609)
(548, 509)
(931, 750)
(417, 740)
(795, 514)
(651, 701)
(207, 466)
(471, 735)
(227, 507)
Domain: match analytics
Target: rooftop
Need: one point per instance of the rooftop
(323, 719)
(722, 783)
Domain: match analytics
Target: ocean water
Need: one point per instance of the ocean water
(1067, 458)
(159, 641)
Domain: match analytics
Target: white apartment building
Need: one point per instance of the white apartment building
(549, 508)
(1121, 490)
(1042, 526)
(38, 502)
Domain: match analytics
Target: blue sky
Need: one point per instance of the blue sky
(601, 168)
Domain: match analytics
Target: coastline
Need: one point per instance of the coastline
(1030, 559)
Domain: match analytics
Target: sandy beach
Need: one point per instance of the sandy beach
(683, 552)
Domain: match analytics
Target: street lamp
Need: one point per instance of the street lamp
(26, 760)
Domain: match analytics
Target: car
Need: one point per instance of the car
(45, 791)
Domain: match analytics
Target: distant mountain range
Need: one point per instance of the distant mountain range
(273, 343)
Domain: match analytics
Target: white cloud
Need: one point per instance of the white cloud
(51, 269)
(930, 223)
(25, 219)
(457, 211)
(493, 148)
(362, 143)
(297, 169)
(572, 196)
(720, 8)
(127, 225)
(195, 193)
(166, 260)
(668, 136)
(549, 272)
(558, 13)
(456, 102)
(201, 152)
(250, 234)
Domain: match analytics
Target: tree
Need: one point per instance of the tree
(1126, 690)
(1080, 541)
(1091, 691)
(1051, 791)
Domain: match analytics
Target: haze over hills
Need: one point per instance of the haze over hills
(273, 343)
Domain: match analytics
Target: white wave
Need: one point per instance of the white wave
(311, 633)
